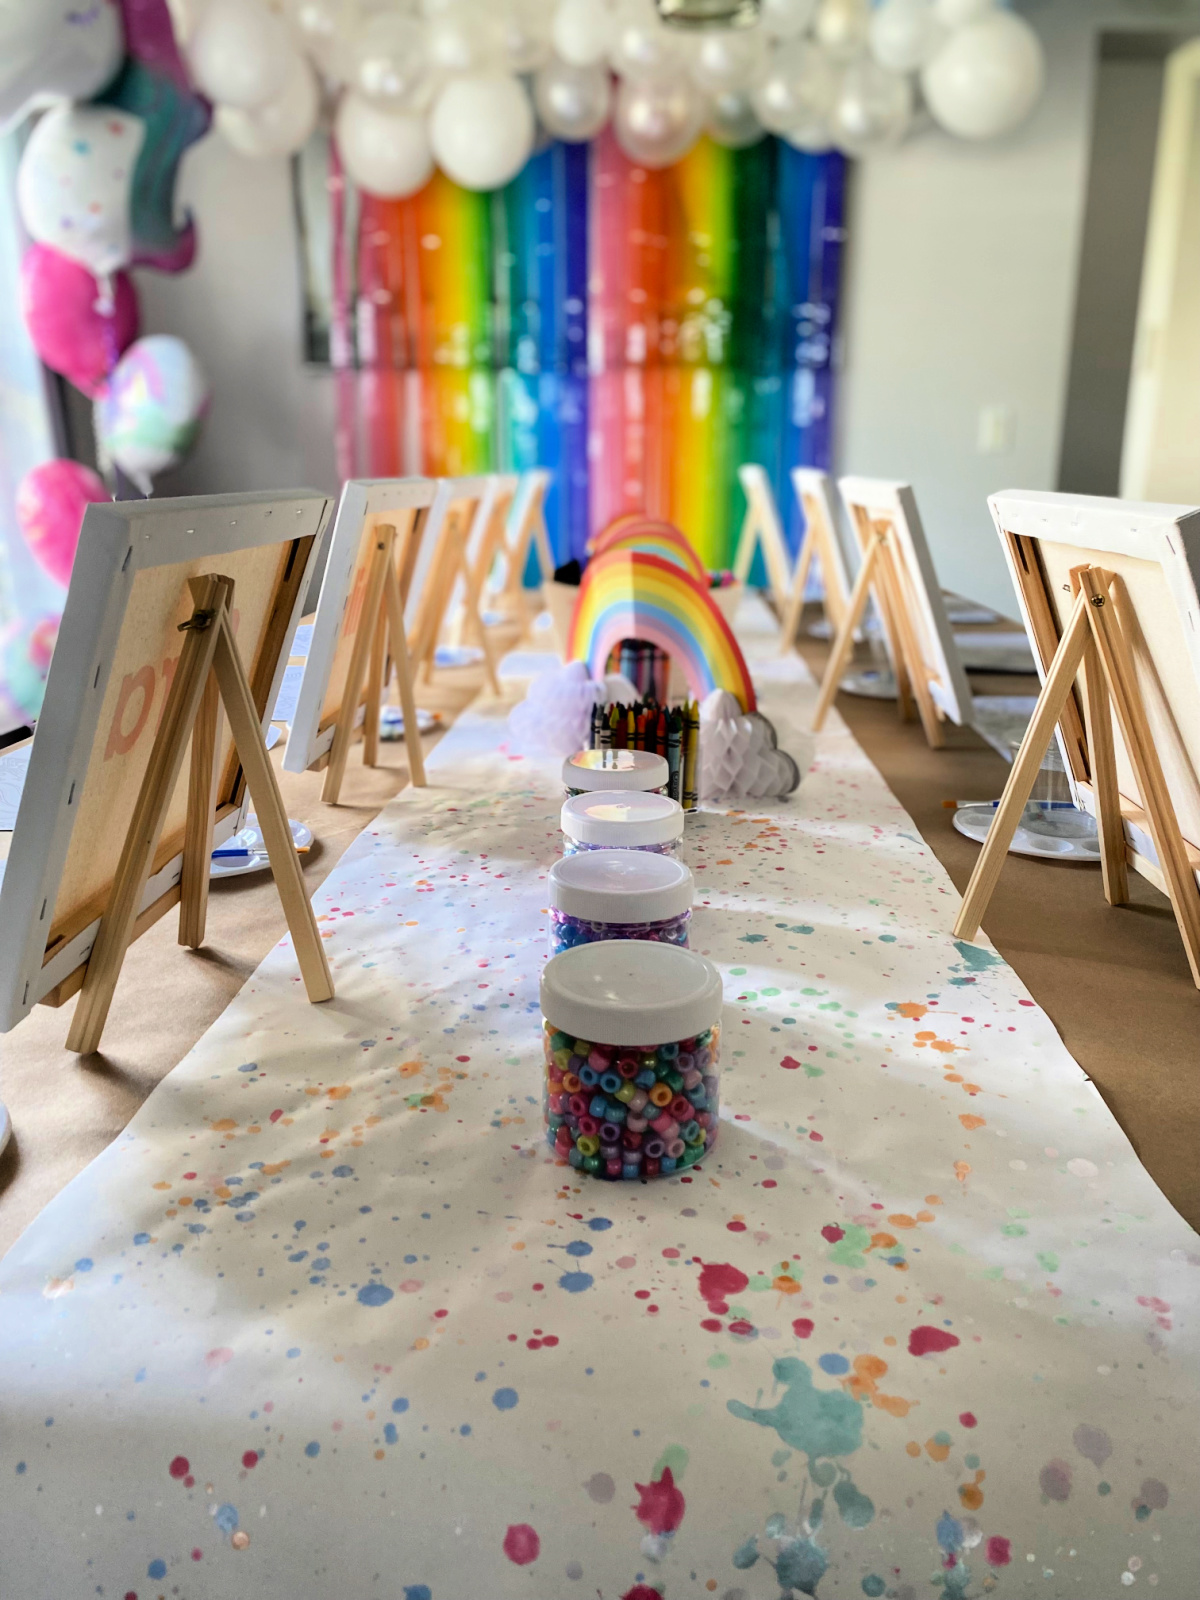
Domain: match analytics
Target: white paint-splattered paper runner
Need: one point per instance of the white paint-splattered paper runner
(328, 1319)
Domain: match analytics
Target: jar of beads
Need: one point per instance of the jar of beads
(618, 894)
(622, 819)
(590, 770)
(631, 1038)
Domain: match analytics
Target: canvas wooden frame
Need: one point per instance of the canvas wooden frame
(762, 529)
(444, 569)
(1043, 535)
(366, 505)
(129, 591)
(822, 545)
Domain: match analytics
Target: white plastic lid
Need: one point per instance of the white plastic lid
(631, 991)
(622, 817)
(615, 769)
(621, 886)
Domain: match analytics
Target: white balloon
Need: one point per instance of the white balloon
(841, 27)
(642, 47)
(482, 129)
(986, 78)
(658, 120)
(797, 90)
(572, 102)
(525, 25)
(282, 126)
(385, 59)
(786, 19)
(385, 152)
(731, 120)
(465, 37)
(151, 410)
(582, 31)
(957, 13)
(241, 53)
(54, 49)
(905, 34)
(75, 181)
(728, 58)
(873, 108)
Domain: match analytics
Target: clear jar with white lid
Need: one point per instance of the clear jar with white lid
(631, 1042)
(618, 894)
(590, 770)
(622, 819)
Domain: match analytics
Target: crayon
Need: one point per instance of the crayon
(690, 796)
(674, 756)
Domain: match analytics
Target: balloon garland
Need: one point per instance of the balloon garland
(466, 84)
(96, 195)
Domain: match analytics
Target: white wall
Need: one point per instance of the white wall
(959, 294)
(271, 422)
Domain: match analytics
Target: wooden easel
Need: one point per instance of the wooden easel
(526, 529)
(1096, 642)
(820, 545)
(379, 644)
(883, 571)
(761, 528)
(209, 674)
(450, 563)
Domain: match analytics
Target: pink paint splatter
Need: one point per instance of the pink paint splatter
(180, 1467)
(218, 1357)
(998, 1551)
(661, 1505)
(641, 1592)
(250, 1459)
(790, 1063)
(832, 1232)
(718, 1282)
(803, 1327)
(925, 1341)
(521, 1544)
(968, 1419)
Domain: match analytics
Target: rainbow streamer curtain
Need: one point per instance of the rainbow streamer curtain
(641, 333)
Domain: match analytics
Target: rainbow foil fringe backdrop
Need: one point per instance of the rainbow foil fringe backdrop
(641, 333)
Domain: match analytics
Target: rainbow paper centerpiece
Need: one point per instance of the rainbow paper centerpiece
(653, 538)
(628, 594)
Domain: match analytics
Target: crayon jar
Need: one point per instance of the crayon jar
(618, 894)
(631, 1043)
(588, 771)
(622, 819)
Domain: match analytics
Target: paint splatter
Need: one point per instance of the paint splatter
(600, 1488)
(576, 1282)
(374, 1294)
(998, 1551)
(505, 1399)
(660, 1505)
(719, 1282)
(521, 1544)
(180, 1467)
(1093, 1444)
(417, 1591)
(925, 1341)
(977, 959)
(803, 1327)
(1055, 1480)
(817, 1422)
(1152, 1496)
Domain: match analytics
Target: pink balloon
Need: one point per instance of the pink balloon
(58, 297)
(51, 501)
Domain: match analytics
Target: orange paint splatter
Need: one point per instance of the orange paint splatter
(341, 1092)
(970, 1121)
(962, 1170)
(785, 1284)
(224, 1125)
(913, 1010)
(863, 1384)
(901, 1219)
(913, 1448)
(936, 1451)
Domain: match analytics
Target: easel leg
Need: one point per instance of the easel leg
(271, 813)
(154, 796)
(844, 643)
(375, 678)
(747, 542)
(889, 609)
(399, 649)
(198, 835)
(910, 649)
(1058, 685)
(1109, 826)
(343, 733)
(795, 605)
(1119, 670)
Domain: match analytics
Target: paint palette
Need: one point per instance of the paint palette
(1049, 829)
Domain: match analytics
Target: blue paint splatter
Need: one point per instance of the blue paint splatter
(575, 1282)
(389, 1433)
(504, 1399)
(976, 958)
(465, 1429)
(226, 1518)
(312, 1448)
(343, 1172)
(141, 1238)
(399, 1405)
(84, 1264)
(600, 1224)
(21, 1468)
(417, 1591)
(579, 1247)
(157, 1569)
(374, 1294)
(293, 1352)
(835, 1365)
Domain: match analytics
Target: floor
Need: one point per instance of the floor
(1115, 982)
